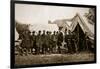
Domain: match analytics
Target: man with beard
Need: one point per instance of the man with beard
(66, 40)
(44, 46)
(60, 40)
(48, 42)
(33, 37)
(38, 42)
(54, 41)
(26, 42)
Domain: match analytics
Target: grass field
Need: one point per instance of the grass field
(53, 58)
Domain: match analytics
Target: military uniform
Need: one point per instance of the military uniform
(26, 43)
(59, 41)
(69, 45)
(33, 42)
(38, 43)
(54, 42)
(44, 46)
(66, 40)
(48, 42)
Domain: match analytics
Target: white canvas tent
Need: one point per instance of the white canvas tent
(37, 27)
(84, 26)
(46, 27)
(60, 23)
(77, 19)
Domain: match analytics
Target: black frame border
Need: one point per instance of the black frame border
(12, 32)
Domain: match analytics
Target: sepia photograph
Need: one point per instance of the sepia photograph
(50, 34)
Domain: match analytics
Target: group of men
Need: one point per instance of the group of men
(48, 42)
(41, 43)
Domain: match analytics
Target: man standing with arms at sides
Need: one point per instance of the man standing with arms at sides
(66, 40)
(71, 42)
(33, 42)
(43, 36)
(48, 42)
(38, 42)
(27, 41)
(60, 39)
(54, 41)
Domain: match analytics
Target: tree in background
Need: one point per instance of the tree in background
(20, 28)
(90, 15)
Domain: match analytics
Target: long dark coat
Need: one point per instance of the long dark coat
(48, 40)
(44, 40)
(38, 40)
(26, 43)
(33, 41)
(54, 40)
(59, 38)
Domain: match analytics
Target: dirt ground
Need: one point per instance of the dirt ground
(53, 58)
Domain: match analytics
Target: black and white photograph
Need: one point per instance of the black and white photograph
(50, 34)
